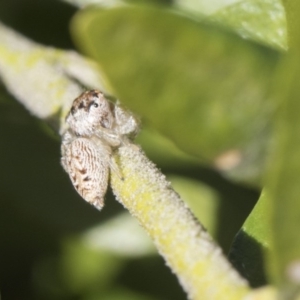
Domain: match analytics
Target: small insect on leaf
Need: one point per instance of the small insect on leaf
(96, 127)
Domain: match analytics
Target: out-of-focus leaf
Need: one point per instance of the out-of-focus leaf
(292, 8)
(194, 7)
(84, 267)
(252, 241)
(284, 171)
(79, 269)
(121, 236)
(202, 6)
(283, 183)
(262, 21)
(204, 88)
(163, 152)
(284, 177)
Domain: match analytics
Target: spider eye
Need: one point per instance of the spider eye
(93, 104)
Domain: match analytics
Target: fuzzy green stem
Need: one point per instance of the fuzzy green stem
(202, 269)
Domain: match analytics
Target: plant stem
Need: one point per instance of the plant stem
(190, 252)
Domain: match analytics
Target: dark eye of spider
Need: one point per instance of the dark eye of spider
(94, 104)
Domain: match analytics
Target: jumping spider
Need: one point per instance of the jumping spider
(96, 128)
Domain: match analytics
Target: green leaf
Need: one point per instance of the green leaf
(163, 152)
(284, 170)
(202, 87)
(262, 21)
(252, 241)
(292, 8)
(201, 6)
(283, 182)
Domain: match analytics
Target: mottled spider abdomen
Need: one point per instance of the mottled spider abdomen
(87, 164)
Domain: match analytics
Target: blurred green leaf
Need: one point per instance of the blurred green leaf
(202, 6)
(292, 8)
(262, 21)
(83, 267)
(284, 170)
(194, 7)
(163, 152)
(122, 236)
(78, 270)
(202, 87)
(252, 241)
(283, 182)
